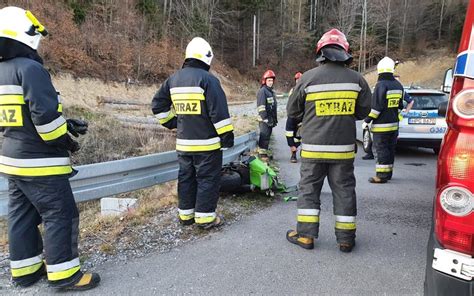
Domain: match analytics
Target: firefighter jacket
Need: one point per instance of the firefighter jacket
(387, 100)
(292, 132)
(267, 106)
(328, 100)
(193, 101)
(35, 142)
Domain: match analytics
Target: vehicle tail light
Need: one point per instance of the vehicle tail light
(463, 104)
(454, 215)
(455, 219)
(457, 201)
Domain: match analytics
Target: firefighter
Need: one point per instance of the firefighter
(35, 159)
(267, 111)
(291, 130)
(328, 100)
(193, 101)
(409, 104)
(387, 102)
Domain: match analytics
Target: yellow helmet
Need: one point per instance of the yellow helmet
(199, 49)
(21, 25)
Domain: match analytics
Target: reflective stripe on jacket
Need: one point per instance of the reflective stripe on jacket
(328, 100)
(387, 100)
(35, 132)
(193, 101)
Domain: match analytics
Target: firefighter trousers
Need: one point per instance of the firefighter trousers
(264, 138)
(342, 182)
(385, 144)
(49, 201)
(198, 185)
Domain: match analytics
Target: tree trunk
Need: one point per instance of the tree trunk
(299, 17)
(404, 25)
(441, 19)
(387, 28)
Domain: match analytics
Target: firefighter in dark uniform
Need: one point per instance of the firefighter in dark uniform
(35, 159)
(267, 113)
(328, 100)
(291, 129)
(387, 102)
(193, 101)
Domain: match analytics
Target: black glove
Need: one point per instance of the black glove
(74, 147)
(227, 140)
(76, 127)
(69, 144)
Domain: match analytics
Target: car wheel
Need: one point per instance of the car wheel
(366, 141)
(436, 150)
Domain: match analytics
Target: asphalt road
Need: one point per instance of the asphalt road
(253, 256)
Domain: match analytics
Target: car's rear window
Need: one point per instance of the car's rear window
(428, 101)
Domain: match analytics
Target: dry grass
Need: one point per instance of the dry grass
(84, 91)
(107, 139)
(107, 229)
(426, 71)
(244, 124)
(3, 236)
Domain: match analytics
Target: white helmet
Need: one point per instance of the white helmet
(386, 65)
(199, 49)
(21, 25)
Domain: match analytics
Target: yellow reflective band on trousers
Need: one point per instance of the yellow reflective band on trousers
(327, 155)
(225, 129)
(345, 225)
(18, 272)
(203, 220)
(61, 275)
(60, 131)
(37, 171)
(308, 219)
(186, 217)
(343, 94)
(60, 108)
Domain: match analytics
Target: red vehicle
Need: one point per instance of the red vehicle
(450, 262)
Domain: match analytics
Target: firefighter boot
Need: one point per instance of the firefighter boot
(346, 247)
(218, 221)
(78, 282)
(31, 279)
(293, 158)
(377, 180)
(185, 222)
(305, 242)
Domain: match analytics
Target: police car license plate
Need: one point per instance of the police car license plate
(422, 121)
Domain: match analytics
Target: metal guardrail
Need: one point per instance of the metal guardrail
(104, 179)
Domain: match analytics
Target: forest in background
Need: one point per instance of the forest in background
(144, 40)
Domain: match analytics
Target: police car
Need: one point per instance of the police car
(422, 126)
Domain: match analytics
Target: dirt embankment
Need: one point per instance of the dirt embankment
(424, 71)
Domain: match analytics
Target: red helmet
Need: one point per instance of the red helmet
(333, 36)
(298, 75)
(267, 74)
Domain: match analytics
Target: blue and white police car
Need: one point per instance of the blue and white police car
(422, 126)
